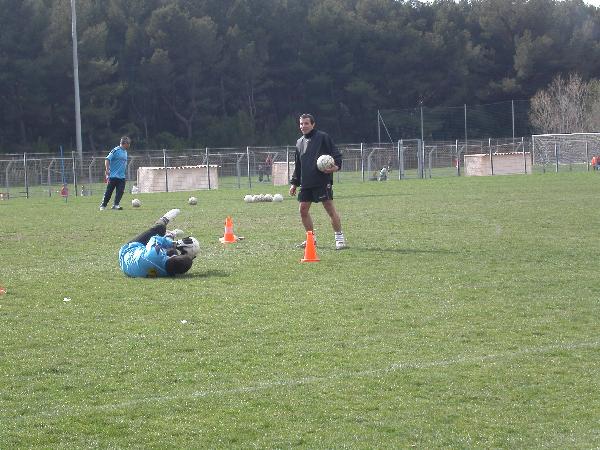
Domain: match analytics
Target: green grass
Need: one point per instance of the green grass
(463, 315)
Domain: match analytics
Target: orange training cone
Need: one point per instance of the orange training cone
(228, 237)
(310, 251)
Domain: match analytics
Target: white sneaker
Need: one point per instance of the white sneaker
(102, 208)
(170, 215)
(339, 245)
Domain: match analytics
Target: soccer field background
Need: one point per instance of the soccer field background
(464, 314)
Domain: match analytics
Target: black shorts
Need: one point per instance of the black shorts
(316, 194)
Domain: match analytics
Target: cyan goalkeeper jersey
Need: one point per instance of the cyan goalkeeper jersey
(150, 260)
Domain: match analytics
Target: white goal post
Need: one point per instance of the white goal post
(573, 149)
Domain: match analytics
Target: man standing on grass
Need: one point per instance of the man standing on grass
(316, 186)
(115, 165)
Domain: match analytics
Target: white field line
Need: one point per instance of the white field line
(334, 377)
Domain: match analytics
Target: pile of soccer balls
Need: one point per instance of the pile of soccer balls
(263, 198)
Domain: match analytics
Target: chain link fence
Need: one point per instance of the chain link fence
(28, 175)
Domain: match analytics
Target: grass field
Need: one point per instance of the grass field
(465, 314)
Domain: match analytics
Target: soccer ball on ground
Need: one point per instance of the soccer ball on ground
(136, 203)
(325, 162)
(193, 201)
(268, 198)
(278, 198)
(248, 198)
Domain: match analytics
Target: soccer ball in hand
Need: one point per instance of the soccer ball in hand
(193, 201)
(325, 162)
(136, 203)
(188, 246)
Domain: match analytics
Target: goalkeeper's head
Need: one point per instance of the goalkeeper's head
(179, 264)
(182, 256)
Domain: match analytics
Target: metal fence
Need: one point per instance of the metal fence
(45, 174)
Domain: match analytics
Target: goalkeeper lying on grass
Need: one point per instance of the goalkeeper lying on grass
(157, 253)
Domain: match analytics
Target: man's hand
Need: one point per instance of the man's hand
(331, 169)
(293, 190)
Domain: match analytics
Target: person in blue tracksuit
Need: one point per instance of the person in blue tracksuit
(115, 165)
(156, 253)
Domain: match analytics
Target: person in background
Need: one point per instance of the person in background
(115, 165)
(268, 166)
(315, 186)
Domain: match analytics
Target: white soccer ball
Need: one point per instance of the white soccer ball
(248, 198)
(268, 198)
(325, 162)
(256, 198)
(193, 201)
(261, 197)
(136, 203)
(189, 246)
(278, 198)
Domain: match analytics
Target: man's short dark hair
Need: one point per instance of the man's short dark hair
(308, 116)
(125, 140)
(178, 264)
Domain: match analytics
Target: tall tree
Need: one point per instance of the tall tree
(185, 50)
(565, 106)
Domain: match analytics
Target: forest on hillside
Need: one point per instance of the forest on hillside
(221, 73)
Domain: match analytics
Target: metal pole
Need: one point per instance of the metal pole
(556, 155)
(50, 177)
(422, 132)
(248, 164)
(166, 170)
(398, 155)
(587, 157)
(457, 159)
(74, 173)
(207, 166)
(466, 144)
(378, 127)
(362, 160)
(287, 163)
(524, 156)
(401, 169)
(491, 160)
(26, 180)
(76, 82)
(513, 123)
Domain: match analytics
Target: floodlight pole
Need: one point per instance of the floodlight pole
(76, 82)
